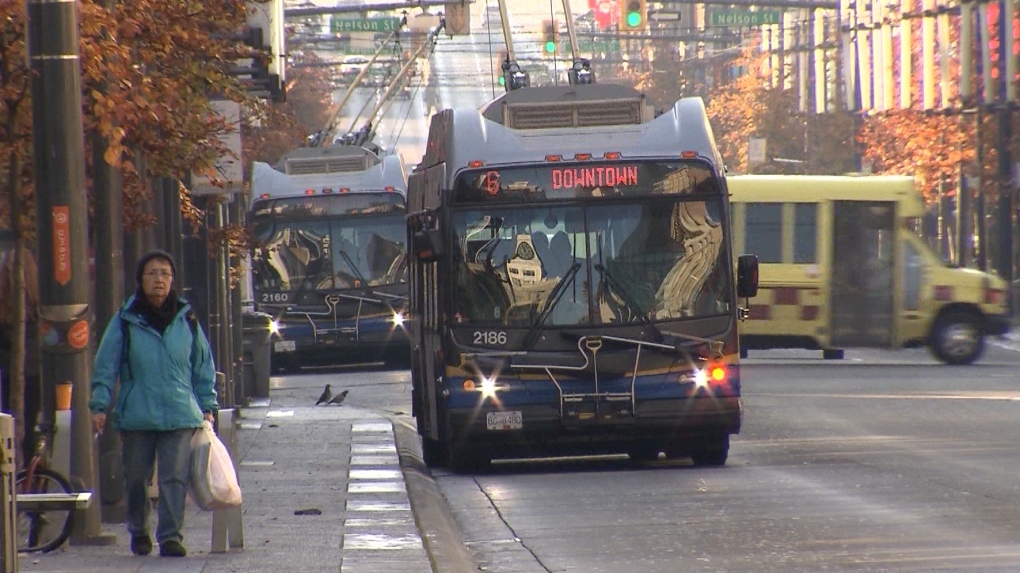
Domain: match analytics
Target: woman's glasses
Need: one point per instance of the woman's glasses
(159, 274)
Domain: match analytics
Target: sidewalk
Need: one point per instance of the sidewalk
(361, 470)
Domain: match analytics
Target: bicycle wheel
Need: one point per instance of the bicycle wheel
(42, 531)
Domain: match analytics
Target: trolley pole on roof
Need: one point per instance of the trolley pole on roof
(331, 125)
(370, 122)
(580, 71)
(514, 76)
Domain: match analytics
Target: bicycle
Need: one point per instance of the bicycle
(42, 530)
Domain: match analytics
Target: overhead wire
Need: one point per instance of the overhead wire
(410, 104)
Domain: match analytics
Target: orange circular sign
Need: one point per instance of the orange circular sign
(78, 334)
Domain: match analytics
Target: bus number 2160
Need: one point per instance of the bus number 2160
(490, 337)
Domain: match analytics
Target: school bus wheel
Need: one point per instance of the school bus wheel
(956, 338)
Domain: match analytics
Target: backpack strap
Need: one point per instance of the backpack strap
(125, 334)
(193, 323)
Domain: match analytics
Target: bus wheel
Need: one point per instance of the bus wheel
(832, 354)
(956, 338)
(467, 460)
(643, 454)
(712, 452)
(433, 452)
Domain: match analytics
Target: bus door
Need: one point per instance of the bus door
(863, 242)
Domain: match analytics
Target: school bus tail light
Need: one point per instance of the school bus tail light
(994, 296)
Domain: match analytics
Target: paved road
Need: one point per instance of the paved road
(885, 461)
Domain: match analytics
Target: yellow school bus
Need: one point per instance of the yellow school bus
(841, 266)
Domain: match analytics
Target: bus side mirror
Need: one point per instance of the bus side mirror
(427, 245)
(747, 276)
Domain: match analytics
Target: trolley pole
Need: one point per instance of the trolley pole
(62, 230)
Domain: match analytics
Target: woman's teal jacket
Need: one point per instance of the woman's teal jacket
(167, 380)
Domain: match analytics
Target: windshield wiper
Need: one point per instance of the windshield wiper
(350, 263)
(630, 302)
(550, 303)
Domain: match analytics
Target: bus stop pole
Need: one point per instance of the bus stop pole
(8, 515)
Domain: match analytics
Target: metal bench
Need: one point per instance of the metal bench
(53, 501)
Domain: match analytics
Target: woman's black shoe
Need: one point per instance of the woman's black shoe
(172, 548)
(141, 545)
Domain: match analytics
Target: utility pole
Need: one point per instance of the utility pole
(62, 230)
(108, 237)
(1005, 158)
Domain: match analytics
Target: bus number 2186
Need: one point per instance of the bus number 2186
(490, 337)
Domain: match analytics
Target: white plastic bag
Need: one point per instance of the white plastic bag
(213, 480)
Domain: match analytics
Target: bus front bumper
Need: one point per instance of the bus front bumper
(541, 429)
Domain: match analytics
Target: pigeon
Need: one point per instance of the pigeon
(339, 398)
(326, 395)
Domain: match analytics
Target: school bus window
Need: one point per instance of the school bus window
(763, 231)
(805, 235)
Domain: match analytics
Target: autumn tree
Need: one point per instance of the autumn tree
(756, 104)
(274, 129)
(148, 82)
(148, 73)
(15, 157)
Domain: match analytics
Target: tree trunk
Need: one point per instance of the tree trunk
(17, 365)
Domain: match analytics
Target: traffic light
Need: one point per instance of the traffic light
(550, 38)
(633, 15)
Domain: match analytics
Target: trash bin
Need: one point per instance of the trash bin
(257, 333)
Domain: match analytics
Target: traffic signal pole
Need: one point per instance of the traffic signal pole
(62, 231)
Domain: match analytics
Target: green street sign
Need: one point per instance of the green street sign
(745, 18)
(337, 25)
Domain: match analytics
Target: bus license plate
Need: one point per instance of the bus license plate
(285, 346)
(504, 421)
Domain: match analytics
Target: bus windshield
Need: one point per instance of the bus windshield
(651, 259)
(321, 254)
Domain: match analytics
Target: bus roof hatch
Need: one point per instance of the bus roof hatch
(334, 159)
(569, 106)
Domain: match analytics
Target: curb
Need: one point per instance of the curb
(440, 534)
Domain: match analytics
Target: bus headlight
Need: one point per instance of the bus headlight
(398, 319)
(487, 386)
(274, 327)
(705, 377)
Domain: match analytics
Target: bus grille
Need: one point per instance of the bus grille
(328, 164)
(572, 114)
